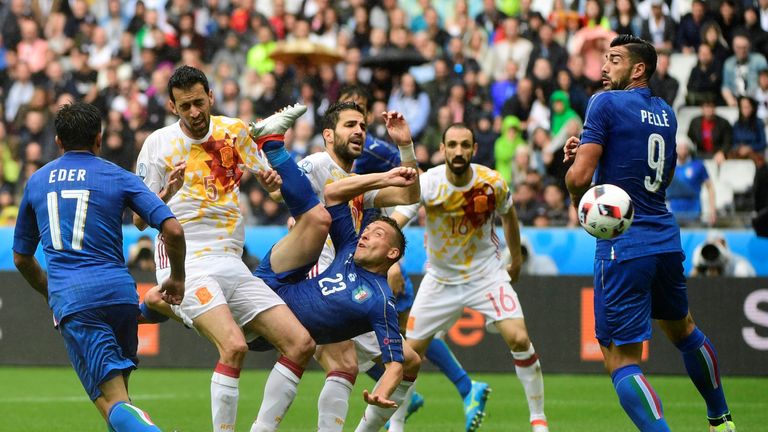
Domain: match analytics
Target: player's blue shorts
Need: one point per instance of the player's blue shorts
(629, 293)
(101, 343)
(404, 300)
(277, 280)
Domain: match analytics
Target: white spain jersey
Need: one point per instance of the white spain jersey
(462, 244)
(207, 205)
(322, 170)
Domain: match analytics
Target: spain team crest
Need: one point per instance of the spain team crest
(227, 156)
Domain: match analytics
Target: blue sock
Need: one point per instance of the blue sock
(150, 315)
(700, 360)
(375, 372)
(638, 399)
(441, 356)
(296, 190)
(124, 417)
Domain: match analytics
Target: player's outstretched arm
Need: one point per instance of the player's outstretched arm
(388, 382)
(172, 289)
(579, 175)
(30, 268)
(511, 228)
(346, 189)
(398, 130)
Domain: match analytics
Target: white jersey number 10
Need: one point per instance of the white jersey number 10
(78, 226)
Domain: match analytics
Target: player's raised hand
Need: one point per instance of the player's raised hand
(569, 151)
(172, 291)
(397, 127)
(269, 180)
(401, 176)
(175, 181)
(378, 400)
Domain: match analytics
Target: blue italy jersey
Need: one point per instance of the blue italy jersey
(377, 156)
(74, 206)
(637, 132)
(343, 301)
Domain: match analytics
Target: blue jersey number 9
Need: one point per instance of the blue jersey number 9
(655, 161)
(78, 226)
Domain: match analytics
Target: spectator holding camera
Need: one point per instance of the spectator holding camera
(714, 258)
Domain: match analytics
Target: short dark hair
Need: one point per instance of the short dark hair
(640, 51)
(357, 90)
(331, 116)
(458, 126)
(185, 77)
(399, 236)
(77, 125)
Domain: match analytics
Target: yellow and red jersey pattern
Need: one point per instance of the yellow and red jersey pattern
(322, 170)
(462, 244)
(207, 205)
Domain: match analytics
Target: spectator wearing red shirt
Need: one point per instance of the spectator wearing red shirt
(710, 133)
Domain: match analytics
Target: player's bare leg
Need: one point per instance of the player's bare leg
(283, 330)
(527, 367)
(339, 361)
(697, 351)
(375, 417)
(115, 406)
(220, 328)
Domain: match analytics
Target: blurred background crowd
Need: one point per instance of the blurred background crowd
(519, 72)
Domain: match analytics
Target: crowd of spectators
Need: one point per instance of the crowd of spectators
(519, 72)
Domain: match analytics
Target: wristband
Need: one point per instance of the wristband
(406, 153)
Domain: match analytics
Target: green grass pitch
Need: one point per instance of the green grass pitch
(51, 399)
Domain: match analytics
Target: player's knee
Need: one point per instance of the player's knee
(233, 349)
(320, 218)
(519, 343)
(300, 348)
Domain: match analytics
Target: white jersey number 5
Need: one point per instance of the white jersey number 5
(78, 226)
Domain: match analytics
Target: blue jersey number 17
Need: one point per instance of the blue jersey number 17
(78, 226)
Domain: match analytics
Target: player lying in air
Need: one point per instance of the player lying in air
(351, 297)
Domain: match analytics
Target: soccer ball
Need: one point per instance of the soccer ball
(606, 211)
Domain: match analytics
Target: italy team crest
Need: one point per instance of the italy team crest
(361, 294)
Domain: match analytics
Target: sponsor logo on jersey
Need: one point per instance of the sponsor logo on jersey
(361, 294)
(352, 277)
(388, 341)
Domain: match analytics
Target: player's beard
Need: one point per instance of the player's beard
(619, 84)
(199, 127)
(342, 149)
(458, 169)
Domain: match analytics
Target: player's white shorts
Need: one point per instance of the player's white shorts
(216, 280)
(438, 306)
(368, 349)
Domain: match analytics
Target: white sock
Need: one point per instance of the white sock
(224, 395)
(278, 395)
(397, 421)
(333, 403)
(375, 417)
(528, 370)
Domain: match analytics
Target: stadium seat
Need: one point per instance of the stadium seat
(680, 67)
(723, 191)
